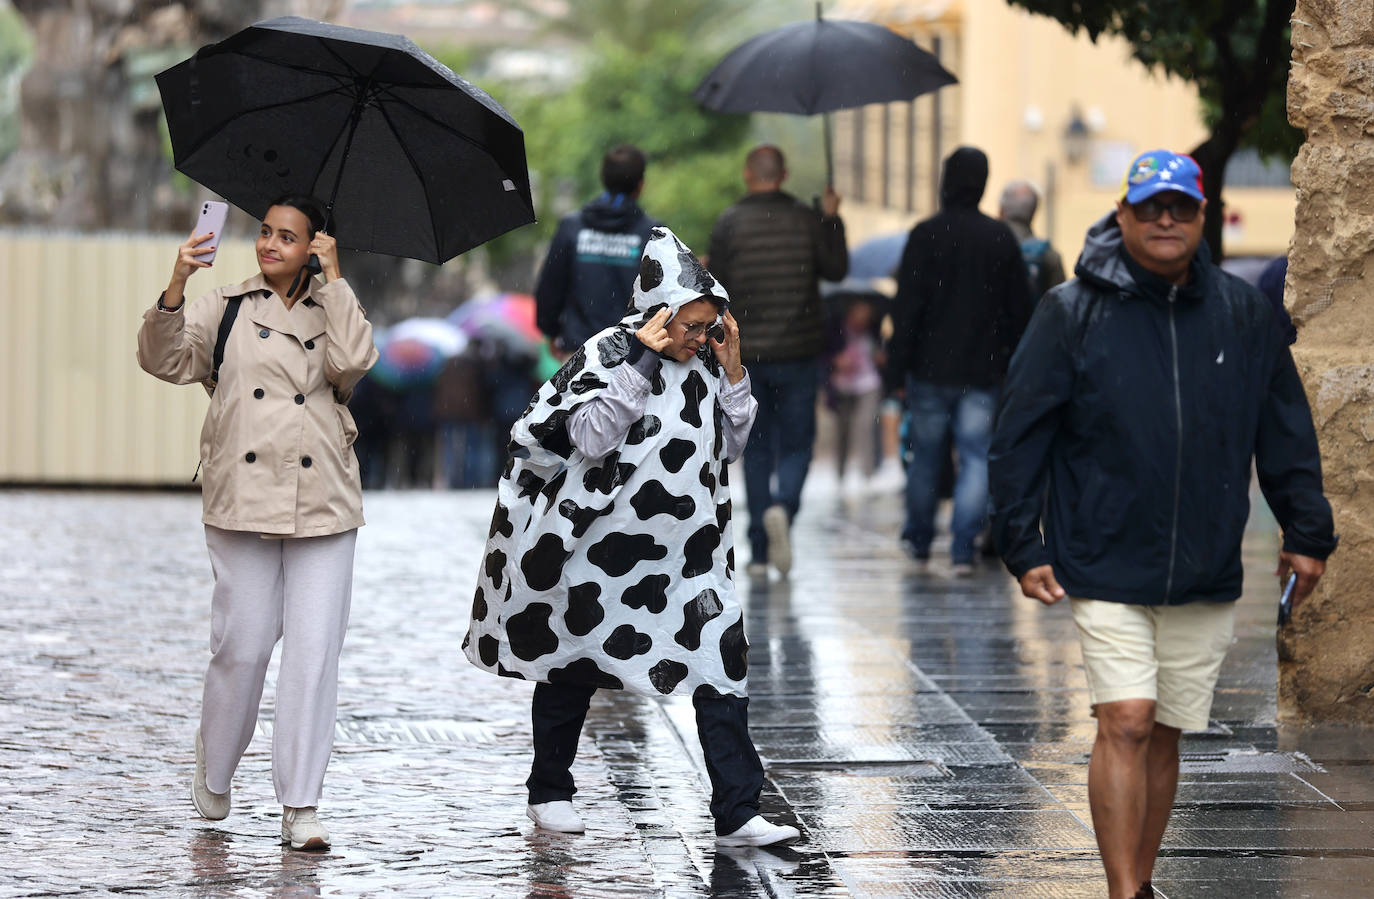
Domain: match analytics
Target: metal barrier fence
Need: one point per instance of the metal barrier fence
(75, 408)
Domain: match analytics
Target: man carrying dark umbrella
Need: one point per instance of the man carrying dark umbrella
(768, 250)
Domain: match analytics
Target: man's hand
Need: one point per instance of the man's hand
(1309, 571)
(1039, 583)
(830, 202)
(654, 333)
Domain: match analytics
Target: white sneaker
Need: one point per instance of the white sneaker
(757, 831)
(214, 806)
(889, 478)
(961, 569)
(557, 816)
(301, 828)
(757, 571)
(779, 540)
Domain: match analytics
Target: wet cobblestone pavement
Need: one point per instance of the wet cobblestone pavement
(928, 735)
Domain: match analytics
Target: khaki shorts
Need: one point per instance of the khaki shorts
(1169, 654)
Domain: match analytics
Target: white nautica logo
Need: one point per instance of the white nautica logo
(1221, 356)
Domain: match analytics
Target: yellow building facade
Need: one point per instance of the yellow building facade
(1046, 106)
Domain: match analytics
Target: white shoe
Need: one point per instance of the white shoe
(888, 478)
(779, 540)
(757, 571)
(758, 832)
(301, 828)
(961, 569)
(214, 806)
(557, 816)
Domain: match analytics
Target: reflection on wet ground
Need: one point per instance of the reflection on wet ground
(928, 735)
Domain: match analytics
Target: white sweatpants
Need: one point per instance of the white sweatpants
(298, 591)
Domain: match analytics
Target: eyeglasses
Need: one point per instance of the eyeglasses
(1181, 208)
(710, 329)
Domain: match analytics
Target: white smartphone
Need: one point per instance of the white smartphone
(211, 220)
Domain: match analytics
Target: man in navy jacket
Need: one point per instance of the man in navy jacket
(1120, 473)
(588, 276)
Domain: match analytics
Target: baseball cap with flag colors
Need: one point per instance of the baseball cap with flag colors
(1160, 170)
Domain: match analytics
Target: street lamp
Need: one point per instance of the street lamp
(1076, 137)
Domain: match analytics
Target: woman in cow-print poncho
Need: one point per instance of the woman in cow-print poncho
(610, 557)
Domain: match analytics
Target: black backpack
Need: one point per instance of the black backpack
(226, 324)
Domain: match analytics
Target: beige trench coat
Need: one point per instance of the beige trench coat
(276, 448)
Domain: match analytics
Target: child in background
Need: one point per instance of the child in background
(855, 388)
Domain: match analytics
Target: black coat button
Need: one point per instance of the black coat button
(310, 344)
(264, 332)
(300, 398)
(259, 393)
(251, 457)
(306, 463)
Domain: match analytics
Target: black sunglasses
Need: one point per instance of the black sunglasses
(1181, 208)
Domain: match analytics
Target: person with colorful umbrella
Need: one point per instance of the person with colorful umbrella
(282, 497)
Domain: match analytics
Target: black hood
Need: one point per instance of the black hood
(611, 213)
(964, 179)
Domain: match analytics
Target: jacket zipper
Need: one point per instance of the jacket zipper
(1178, 448)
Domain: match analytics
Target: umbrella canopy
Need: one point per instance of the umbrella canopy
(878, 257)
(507, 318)
(439, 333)
(405, 362)
(812, 67)
(410, 159)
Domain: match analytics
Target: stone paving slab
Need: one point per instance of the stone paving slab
(928, 735)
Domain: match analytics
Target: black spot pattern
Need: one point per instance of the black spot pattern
(529, 632)
(707, 477)
(614, 347)
(700, 551)
(723, 516)
(564, 376)
(550, 491)
(530, 484)
(488, 650)
(696, 614)
(643, 429)
(650, 593)
(543, 565)
(625, 643)
(734, 650)
(653, 498)
(617, 553)
(675, 453)
(582, 518)
(693, 275)
(584, 612)
(586, 384)
(479, 605)
(552, 433)
(584, 671)
(718, 419)
(656, 384)
(607, 476)
(496, 567)
(666, 675)
(500, 522)
(650, 274)
(693, 392)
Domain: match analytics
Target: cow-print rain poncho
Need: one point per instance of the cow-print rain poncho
(617, 572)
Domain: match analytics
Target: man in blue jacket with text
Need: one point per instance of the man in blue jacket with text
(1120, 474)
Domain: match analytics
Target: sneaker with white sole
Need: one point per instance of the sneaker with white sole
(558, 816)
(757, 571)
(779, 540)
(302, 830)
(213, 806)
(757, 831)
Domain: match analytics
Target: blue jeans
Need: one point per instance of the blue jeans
(937, 409)
(779, 443)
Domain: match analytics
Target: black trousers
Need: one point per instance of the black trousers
(732, 763)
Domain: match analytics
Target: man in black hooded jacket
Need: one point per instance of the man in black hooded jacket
(1120, 477)
(963, 299)
(588, 276)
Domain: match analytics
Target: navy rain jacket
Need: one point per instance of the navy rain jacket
(1129, 418)
(588, 277)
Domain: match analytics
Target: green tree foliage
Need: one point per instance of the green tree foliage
(1235, 51)
(15, 48)
(640, 97)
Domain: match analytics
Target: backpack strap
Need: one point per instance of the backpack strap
(226, 324)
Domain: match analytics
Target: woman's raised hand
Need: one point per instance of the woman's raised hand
(188, 260)
(727, 350)
(325, 249)
(654, 333)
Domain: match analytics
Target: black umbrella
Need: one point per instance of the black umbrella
(808, 68)
(410, 159)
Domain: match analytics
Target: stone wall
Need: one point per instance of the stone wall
(1326, 667)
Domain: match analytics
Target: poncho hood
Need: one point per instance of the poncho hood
(671, 275)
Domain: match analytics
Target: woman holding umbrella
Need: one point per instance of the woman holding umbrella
(609, 562)
(282, 498)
